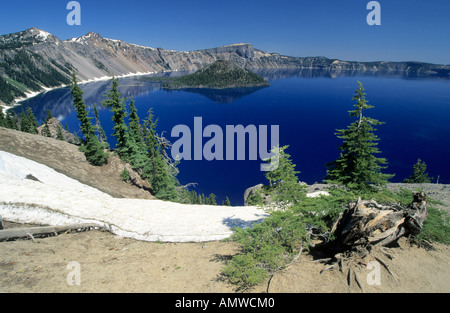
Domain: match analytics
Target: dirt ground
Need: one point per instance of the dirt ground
(111, 264)
(108, 263)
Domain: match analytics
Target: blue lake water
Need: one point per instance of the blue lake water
(307, 108)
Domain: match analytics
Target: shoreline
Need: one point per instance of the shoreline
(30, 95)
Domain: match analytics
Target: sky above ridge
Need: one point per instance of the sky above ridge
(414, 30)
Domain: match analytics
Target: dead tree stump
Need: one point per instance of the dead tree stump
(369, 223)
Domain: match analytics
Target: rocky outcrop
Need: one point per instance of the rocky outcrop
(251, 191)
(54, 126)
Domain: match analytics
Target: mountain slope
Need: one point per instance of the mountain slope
(33, 59)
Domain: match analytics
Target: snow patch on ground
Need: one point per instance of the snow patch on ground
(59, 200)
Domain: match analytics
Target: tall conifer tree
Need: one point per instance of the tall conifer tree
(358, 167)
(92, 148)
(32, 121)
(118, 107)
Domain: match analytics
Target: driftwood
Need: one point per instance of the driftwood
(33, 232)
(369, 223)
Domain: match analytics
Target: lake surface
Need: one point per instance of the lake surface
(308, 107)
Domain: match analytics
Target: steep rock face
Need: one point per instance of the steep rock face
(33, 59)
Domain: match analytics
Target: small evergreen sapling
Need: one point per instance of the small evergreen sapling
(419, 175)
(285, 189)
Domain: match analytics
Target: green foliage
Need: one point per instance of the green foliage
(93, 149)
(125, 175)
(49, 116)
(100, 132)
(27, 70)
(266, 247)
(150, 155)
(212, 199)
(46, 131)
(284, 189)
(8, 92)
(221, 74)
(245, 271)
(163, 184)
(138, 150)
(32, 122)
(436, 227)
(419, 175)
(28, 122)
(59, 133)
(255, 199)
(118, 107)
(226, 202)
(11, 121)
(269, 246)
(2, 118)
(357, 167)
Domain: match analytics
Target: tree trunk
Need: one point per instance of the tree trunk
(369, 223)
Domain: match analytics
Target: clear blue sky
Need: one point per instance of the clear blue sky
(411, 29)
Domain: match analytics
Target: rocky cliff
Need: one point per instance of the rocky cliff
(33, 59)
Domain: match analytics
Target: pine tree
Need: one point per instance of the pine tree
(202, 199)
(32, 121)
(49, 116)
(92, 148)
(11, 121)
(101, 133)
(138, 150)
(118, 107)
(419, 175)
(163, 184)
(2, 117)
(152, 144)
(81, 108)
(46, 131)
(157, 170)
(28, 122)
(59, 133)
(285, 188)
(23, 121)
(211, 199)
(226, 202)
(134, 126)
(357, 167)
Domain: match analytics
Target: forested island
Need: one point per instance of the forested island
(219, 75)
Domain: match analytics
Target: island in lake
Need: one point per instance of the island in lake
(219, 75)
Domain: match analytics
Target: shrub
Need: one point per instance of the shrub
(272, 244)
(125, 175)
